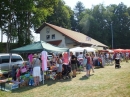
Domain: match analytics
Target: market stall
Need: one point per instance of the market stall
(90, 49)
(77, 49)
(36, 47)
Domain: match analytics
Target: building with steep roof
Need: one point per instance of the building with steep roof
(66, 38)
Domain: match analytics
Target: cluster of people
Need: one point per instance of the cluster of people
(64, 63)
(119, 55)
(33, 68)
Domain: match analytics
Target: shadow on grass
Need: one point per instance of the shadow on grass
(85, 77)
(98, 67)
(46, 82)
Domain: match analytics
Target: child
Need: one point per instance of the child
(18, 74)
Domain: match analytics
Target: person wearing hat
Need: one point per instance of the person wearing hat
(36, 69)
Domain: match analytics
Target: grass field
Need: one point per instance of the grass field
(105, 82)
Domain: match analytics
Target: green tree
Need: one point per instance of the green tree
(121, 26)
(78, 10)
(61, 15)
(18, 17)
(96, 23)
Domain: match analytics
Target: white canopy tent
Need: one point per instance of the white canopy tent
(110, 51)
(77, 49)
(90, 49)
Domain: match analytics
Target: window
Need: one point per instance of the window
(47, 30)
(16, 58)
(53, 36)
(47, 37)
(5, 59)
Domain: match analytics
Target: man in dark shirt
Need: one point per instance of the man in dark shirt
(73, 62)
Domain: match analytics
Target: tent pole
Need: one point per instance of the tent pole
(42, 71)
(9, 62)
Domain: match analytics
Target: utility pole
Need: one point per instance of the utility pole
(112, 34)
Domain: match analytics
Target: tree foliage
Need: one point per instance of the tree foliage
(61, 15)
(19, 17)
(96, 23)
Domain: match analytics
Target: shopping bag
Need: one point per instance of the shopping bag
(23, 70)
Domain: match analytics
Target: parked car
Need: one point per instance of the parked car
(15, 60)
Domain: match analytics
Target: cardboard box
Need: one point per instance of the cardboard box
(24, 83)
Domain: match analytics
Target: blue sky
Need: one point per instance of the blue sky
(87, 4)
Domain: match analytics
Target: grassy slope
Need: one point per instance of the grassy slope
(106, 82)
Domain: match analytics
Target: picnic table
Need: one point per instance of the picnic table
(2, 81)
(2, 84)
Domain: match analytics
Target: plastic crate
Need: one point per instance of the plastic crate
(11, 86)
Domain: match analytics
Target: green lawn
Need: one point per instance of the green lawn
(105, 82)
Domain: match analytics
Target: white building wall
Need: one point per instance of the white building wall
(68, 40)
(58, 36)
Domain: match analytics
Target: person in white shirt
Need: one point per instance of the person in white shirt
(107, 55)
(80, 55)
(118, 55)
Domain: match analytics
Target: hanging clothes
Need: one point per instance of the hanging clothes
(30, 57)
(66, 58)
(44, 60)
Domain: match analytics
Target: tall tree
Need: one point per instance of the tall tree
(79, 8)
(102, 22)
(18, 17)
(121, 26)
(61, 15)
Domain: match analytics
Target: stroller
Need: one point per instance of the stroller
(80, 64)
(66, 71)
(117, 63)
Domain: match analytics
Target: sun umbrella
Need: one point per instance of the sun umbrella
(118, 50)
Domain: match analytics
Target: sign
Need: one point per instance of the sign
(88, 38)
